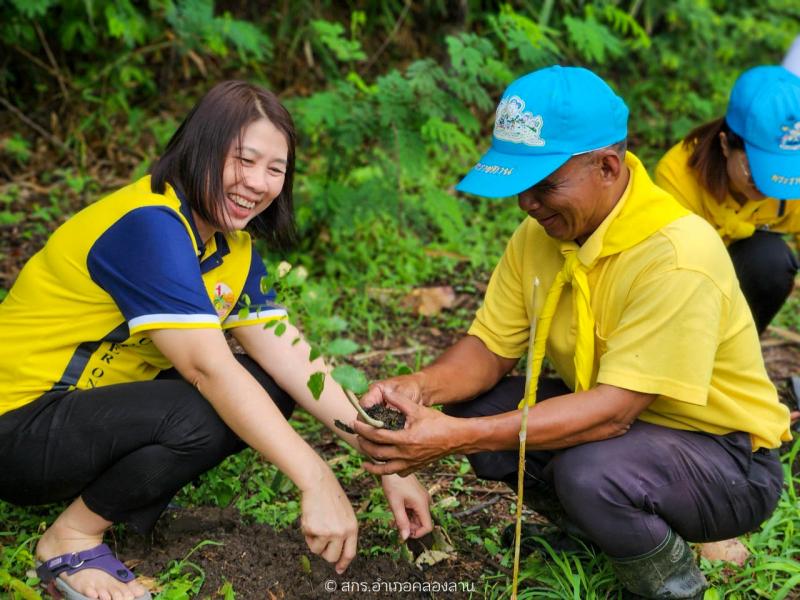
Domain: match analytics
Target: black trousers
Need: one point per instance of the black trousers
(627, 492)
(766, 268)
(126, 449)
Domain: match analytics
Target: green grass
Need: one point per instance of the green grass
(772, 572)
(788, 316)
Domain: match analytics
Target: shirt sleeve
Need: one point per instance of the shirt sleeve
(147, 264)
(260, 305)
(667, 337)
(502, 322)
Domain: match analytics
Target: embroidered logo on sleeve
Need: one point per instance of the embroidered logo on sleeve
(791, 137)
(223, 299)
(513, 124)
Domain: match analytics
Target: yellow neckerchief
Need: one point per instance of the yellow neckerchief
(642, 210)
(732, 218)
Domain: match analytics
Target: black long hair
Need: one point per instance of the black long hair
(194, 158)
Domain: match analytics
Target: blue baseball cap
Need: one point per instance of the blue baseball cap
(764, 110)
(544, 119)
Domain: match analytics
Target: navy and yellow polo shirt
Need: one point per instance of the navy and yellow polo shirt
(78, 314)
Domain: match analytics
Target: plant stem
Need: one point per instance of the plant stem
(367, 419)
(523, 434)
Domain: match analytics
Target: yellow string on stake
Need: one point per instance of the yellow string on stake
(523, 435)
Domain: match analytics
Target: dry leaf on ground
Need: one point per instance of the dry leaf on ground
(429, 301)
(732, 551)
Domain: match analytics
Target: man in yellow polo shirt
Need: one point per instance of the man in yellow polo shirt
(661, 425)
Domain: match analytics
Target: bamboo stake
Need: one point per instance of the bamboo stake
(523, 434)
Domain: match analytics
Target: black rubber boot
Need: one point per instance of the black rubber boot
(665, 573)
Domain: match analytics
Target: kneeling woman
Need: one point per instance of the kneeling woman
(118, 386)
(740, 173)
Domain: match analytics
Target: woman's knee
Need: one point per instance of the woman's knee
(193, 425)
(764, 263)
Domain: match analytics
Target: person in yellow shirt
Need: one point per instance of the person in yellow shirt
(117, 386)
(662, 423)
(741, 173)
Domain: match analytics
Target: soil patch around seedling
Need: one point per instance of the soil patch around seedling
(263, 564)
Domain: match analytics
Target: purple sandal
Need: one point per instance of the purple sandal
(100, 557)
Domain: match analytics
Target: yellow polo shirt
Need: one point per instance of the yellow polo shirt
(79, 314)
(733, 221)
(670, 320)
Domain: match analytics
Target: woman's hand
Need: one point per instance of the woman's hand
(329, 523)
(410, 504)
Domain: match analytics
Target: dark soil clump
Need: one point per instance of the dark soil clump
(392, 419)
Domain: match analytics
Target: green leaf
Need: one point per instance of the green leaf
(17, 147)
(341, 347)
(331, 35)
(593, 40)
(33, 8)
(280, 328)
(314, 354)
(243, 313)
(334, 323)
(305, 564)
(350, 378)
(316, 383)
(226, 591)
(265, 285)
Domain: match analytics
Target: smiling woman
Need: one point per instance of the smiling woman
(118, 386)
(249, 138)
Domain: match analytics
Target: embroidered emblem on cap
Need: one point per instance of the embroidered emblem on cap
(513, 124)
(791, 137)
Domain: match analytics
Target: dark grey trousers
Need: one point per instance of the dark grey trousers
(626, 492)
(126, 449)
(766, 268)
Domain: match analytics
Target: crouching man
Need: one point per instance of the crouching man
(662, 425)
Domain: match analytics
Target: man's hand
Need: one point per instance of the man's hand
(410, 504)
(402, 387)
(428, 435)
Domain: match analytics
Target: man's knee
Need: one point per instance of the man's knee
(592, 474)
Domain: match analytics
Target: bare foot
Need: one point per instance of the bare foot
(93, 583)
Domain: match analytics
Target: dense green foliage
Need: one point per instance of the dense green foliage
(393, 101)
